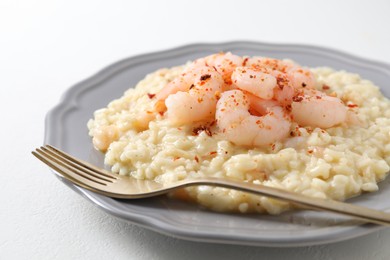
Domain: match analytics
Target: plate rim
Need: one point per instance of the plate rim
(68, 101)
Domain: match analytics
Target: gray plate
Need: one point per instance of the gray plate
(66, 129)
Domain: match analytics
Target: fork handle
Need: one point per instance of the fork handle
(358, 212)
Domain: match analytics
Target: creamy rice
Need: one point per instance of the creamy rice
(337, 162)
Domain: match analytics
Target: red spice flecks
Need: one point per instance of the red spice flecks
(309, 129)
(281, 82)
(198, 130)
(318, 97)
(245, 61)
(205, 76)
(176, 158)
(292, 134)
(297, 98)
(151, 95)
(310, 151)
(192, 85)
(303, 84)
(196, 158)
(352, 105)
(325, 87)
(213, 153)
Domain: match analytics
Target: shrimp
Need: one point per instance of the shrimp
(314, 108)
(284, 92)
(184, 81)
(224, 63)
(270, 64)
(273, 85)
(260, 96)
(242, 128)
(254, 81)
(198, 103)
(298, 76)
(259, 106)
(301, 78)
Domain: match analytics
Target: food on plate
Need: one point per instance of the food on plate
(319, 132)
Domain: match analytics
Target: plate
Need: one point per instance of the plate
(66, 128)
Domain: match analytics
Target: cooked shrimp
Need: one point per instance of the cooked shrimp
(270, 64)
(254, 81)
(254, 93)
(224, 63)
(298, 76)
(242, 128)
(184, 81)
(314, 108)
(272, 85)
(301, 78)
(199, 102)
(284, 92)
(259, 106)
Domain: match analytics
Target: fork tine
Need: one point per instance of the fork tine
(68, 169)
(79, 162)
(60, 171)
(75, 165)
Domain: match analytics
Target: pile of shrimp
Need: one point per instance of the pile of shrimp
(252, 101)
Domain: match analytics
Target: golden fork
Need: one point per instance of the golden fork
(113, 185)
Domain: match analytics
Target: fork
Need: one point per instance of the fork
(113, 185)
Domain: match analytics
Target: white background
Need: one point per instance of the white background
(47, 46)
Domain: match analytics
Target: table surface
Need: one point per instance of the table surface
(47, 46)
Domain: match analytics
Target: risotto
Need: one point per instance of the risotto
(151, 133)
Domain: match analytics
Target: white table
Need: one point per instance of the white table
(47, 46)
